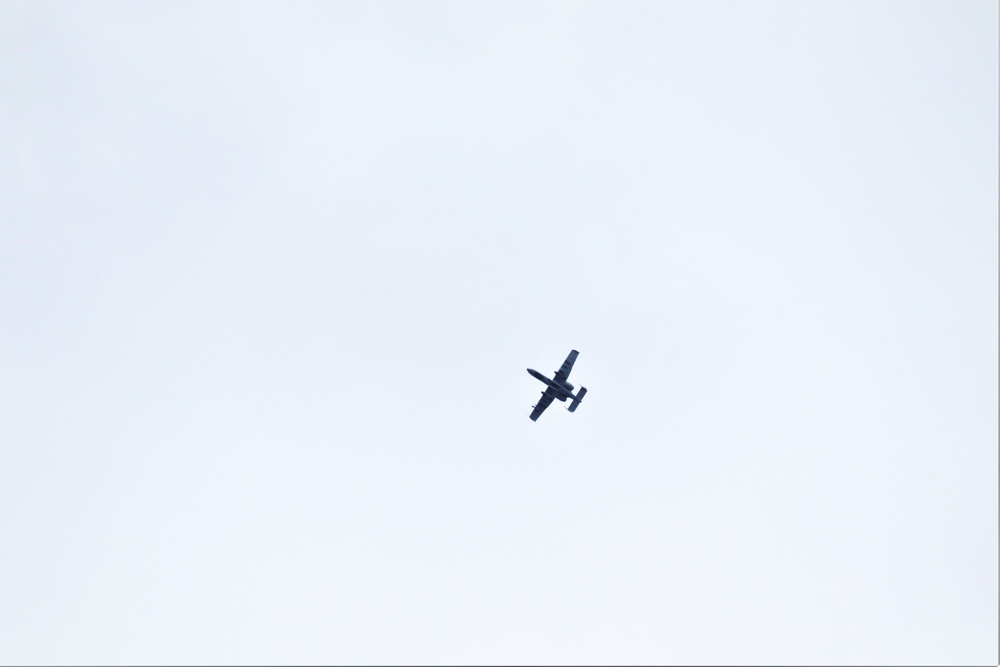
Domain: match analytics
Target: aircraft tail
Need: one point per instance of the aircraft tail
(576, 401)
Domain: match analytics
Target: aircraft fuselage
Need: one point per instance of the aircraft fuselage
(562, 390)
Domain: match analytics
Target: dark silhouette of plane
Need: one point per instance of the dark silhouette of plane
(557, 388)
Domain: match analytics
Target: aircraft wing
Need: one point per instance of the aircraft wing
(543, 402)
(567, 366)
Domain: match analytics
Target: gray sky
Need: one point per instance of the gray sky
(272, 275)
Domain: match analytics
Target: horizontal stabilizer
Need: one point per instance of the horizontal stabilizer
(576, 401)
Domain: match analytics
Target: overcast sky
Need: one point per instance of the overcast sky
(272, 275)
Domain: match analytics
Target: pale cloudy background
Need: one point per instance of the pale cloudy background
(272, 275)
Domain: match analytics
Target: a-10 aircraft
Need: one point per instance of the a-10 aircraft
(558, 387)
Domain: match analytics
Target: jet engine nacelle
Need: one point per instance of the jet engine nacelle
(569, 386)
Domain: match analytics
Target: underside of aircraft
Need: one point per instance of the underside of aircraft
(558, 388)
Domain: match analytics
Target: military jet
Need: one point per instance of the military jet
(558, 387)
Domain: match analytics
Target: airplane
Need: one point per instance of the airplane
(557, 387)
